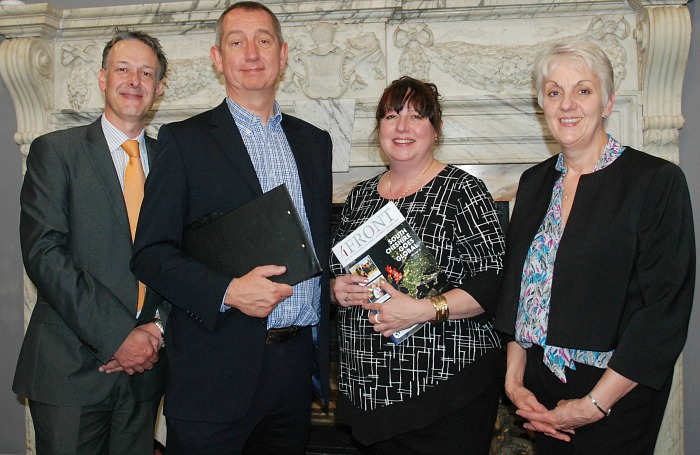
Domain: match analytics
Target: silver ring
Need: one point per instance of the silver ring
(376, 318)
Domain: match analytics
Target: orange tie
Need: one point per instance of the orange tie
(134, 179)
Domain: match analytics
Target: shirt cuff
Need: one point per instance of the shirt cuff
(224, 308)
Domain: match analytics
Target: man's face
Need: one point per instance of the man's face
(129, 83)
(250, 57)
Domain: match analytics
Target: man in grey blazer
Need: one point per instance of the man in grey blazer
(91, 363)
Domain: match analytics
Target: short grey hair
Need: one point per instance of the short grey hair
(145, 38)
(588, 53)
(248, 6)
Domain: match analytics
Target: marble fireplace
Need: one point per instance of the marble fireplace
(342, 53)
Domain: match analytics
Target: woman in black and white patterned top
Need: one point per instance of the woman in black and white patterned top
(437, 391)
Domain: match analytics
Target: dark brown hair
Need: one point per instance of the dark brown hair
(422, 96)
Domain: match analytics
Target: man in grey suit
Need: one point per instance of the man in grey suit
(91, 365)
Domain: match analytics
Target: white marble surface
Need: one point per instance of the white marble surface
(336, 117)
(342, 55)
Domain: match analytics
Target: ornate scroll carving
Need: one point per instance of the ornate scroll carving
(25, 66)
(663, 42)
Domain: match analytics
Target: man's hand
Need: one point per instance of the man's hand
(138, 352)
(254, 294)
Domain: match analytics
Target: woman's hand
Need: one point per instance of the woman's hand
(529, 407)
(567, 416)
(538, 417)
(398, 313)
(524, 399)
(571, 414)
(346, 290)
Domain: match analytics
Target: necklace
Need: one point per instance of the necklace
(410, 187)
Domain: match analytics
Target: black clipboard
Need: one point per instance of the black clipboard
(264, 231)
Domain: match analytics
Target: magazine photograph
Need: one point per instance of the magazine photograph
(385, 247)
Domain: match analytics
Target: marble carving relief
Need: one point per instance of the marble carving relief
(497, 68)
(323, 69)
(83, 64)
(341, 56)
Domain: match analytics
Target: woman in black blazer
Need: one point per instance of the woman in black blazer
(599, 275)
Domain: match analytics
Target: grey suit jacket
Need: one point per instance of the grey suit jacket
(76, 246)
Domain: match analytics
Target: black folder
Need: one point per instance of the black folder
(265, 231)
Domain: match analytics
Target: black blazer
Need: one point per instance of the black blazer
(76, 247)
(204, 168)
(625, 269)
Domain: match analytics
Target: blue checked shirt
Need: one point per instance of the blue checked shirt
(274, 163)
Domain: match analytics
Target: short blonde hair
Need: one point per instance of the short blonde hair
(584, 51)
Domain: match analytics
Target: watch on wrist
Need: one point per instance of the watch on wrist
(159, 324)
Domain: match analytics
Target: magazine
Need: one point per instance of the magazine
(386, 247)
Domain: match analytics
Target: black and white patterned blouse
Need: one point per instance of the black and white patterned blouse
(456, 218)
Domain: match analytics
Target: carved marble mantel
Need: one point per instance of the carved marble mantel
(342, 55)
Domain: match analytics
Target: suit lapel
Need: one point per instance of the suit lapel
(151, 301)
(225, 132)
(152, 150)
(96, 150)
(299, 145)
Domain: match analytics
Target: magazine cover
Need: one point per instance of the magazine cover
(385, 246)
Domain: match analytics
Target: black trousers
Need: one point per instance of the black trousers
(466, 431)
(631, 429)
(278, 420)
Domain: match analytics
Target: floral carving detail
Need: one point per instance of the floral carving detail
(496, 68)
(187, 77)
(414, 38)
(609, 34)
(82, 75)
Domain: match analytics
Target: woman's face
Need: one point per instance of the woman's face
(574, 106)
(406, 135)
